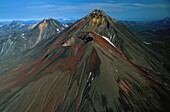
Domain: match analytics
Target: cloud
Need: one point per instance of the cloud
(91, 6)
(79, 5)
(43, 6)
(87, 7)
(110, 1)
(151, 5)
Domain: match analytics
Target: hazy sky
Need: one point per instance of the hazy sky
(118, 9)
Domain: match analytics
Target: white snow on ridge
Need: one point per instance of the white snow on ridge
(114, 36)
(108, 41)
(58, 30)
(116, 70)
(147, 43)
(65, 25)
(24, 38)
(22, 25)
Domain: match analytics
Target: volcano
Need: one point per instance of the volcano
(94, 65)
(17, 42)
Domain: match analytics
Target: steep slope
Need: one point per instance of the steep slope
(17, 42)
(45, 29)
(124, 40)
(155, 33)
(159, 41)
(83, 69)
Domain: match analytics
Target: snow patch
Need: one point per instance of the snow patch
(147, 43)
(24, 38)
(58, 30)
(90, 74)
(22, 25)
(108, 41)
(66, 25)
(90, 78)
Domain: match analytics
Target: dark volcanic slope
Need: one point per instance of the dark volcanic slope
(94, 66)
(159, 41)
(155, 33)
(17, 42)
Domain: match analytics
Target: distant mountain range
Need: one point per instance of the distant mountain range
(30, 22)
(137, 26)
(12, 27)
(96, 64)
(148, 30)
(157, 33)
(23, 37)
(148, 25)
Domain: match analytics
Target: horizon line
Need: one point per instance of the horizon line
(118, 19)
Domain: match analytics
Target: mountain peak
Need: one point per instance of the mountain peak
(97, 21)
(48, 19)
(99, 16)
(98, 13)
(166, 19)
(51, 22)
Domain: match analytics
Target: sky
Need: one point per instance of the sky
(118, 9)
